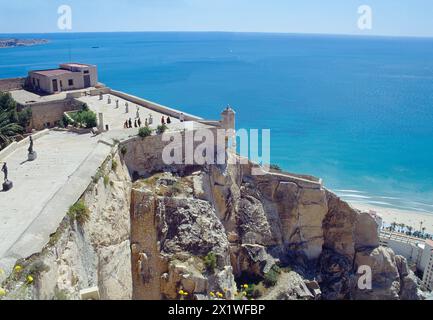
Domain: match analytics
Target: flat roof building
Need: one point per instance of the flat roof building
(69, 76)
(427, 262)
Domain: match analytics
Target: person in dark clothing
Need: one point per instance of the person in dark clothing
(130, 123)
(163, 120)
(135, 124)
(168, 120)
(139, 122)
(125, 125)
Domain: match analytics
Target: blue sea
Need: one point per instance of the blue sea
(356, 111)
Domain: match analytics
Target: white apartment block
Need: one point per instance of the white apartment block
(427, 264)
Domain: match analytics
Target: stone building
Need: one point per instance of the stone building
(69, 76)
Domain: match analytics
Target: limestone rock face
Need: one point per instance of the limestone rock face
(253, 223)
(385, 274)
(177, 233)
(291, 286)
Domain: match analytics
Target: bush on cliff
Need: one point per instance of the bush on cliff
(145, 132)
(79, 212)
(210, 262)
(161, 129)
(271, 278)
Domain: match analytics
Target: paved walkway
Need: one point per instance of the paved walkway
(65, 161)
(116, 117)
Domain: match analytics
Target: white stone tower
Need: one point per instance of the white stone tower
(228, 121)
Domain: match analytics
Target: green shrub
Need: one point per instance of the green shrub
(79, 212)
(161, 129)
(254, 291)
(85, 118)
(271, 278)
(145, 132)
(88, 119)
(66, 121)
(106, 181)
(210, 262)
(114, 165)
(24, 117)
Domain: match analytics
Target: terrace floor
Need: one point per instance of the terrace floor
(116, 117)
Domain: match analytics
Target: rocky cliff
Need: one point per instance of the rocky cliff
(284, 236)
(205, 232)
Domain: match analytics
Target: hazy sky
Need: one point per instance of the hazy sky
(390, 17)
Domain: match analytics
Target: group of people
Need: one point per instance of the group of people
(163, 121)
(137, 123)
(128, 124)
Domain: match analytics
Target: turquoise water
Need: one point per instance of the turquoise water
(357, 112)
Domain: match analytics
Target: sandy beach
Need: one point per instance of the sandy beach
(409, 218)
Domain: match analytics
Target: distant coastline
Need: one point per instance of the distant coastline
(12, 43)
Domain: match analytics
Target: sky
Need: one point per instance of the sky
(389, 17)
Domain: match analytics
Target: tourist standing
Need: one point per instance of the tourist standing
(168, 120)
(163, 120)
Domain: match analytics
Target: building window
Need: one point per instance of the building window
(70, 82)
(86, 71)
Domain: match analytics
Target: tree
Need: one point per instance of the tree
(410, 230)
(8, 129)
(11, 121)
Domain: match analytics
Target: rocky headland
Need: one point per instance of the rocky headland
(154, 231)
(12, 43)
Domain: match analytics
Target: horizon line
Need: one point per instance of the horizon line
(231, 32)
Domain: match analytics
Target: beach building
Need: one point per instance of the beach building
(426, 265)
(69, 76)
(409, 247)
